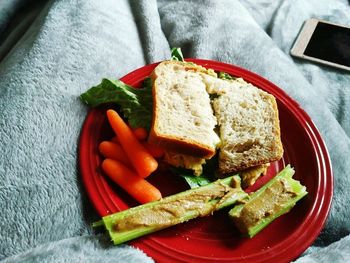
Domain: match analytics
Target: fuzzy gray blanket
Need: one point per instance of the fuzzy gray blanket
(45, 214)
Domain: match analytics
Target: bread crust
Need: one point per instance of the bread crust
(178, 145)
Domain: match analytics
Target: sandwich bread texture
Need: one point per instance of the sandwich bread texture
(248, 124)
(183, 119)
(190, 103)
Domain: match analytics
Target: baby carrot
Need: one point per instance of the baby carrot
(115, 139)
(140, 133)
(154, 150)
(113, 151)
(141, 190)
(142, 161)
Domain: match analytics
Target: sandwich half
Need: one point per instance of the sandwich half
(183, 119)
(249, 124)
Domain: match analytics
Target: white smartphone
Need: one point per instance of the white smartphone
(324, 42)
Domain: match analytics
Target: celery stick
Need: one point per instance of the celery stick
(251, 220)
(200, 201)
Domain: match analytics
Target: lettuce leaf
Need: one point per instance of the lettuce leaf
(209, 173)
(135, 104)
(176, 54)
(192, 180)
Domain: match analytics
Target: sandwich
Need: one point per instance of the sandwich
(197, 115)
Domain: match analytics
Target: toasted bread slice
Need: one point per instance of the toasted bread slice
(249, 124)
(183, 119)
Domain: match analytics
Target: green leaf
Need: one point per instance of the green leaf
(135, 104)
(196, 181)
(176, 54)
(224, 75)
(192, 180)
(208, 175)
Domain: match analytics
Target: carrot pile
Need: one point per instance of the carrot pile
(130, 159)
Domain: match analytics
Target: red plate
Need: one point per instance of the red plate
(215, 238)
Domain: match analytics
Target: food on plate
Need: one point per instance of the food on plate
(250, 175)
(140, 133)
(114, 151)
(251, 213)
(135, 104)
(246, 117)
(142, 161)
(154, 150)
(193, 163)
(172, 210)
(137, 187)
(128, 160)
(249, 125)
(205, 125)
(272, 200)
(183, 119)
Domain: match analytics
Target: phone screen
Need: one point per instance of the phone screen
(331, 43)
